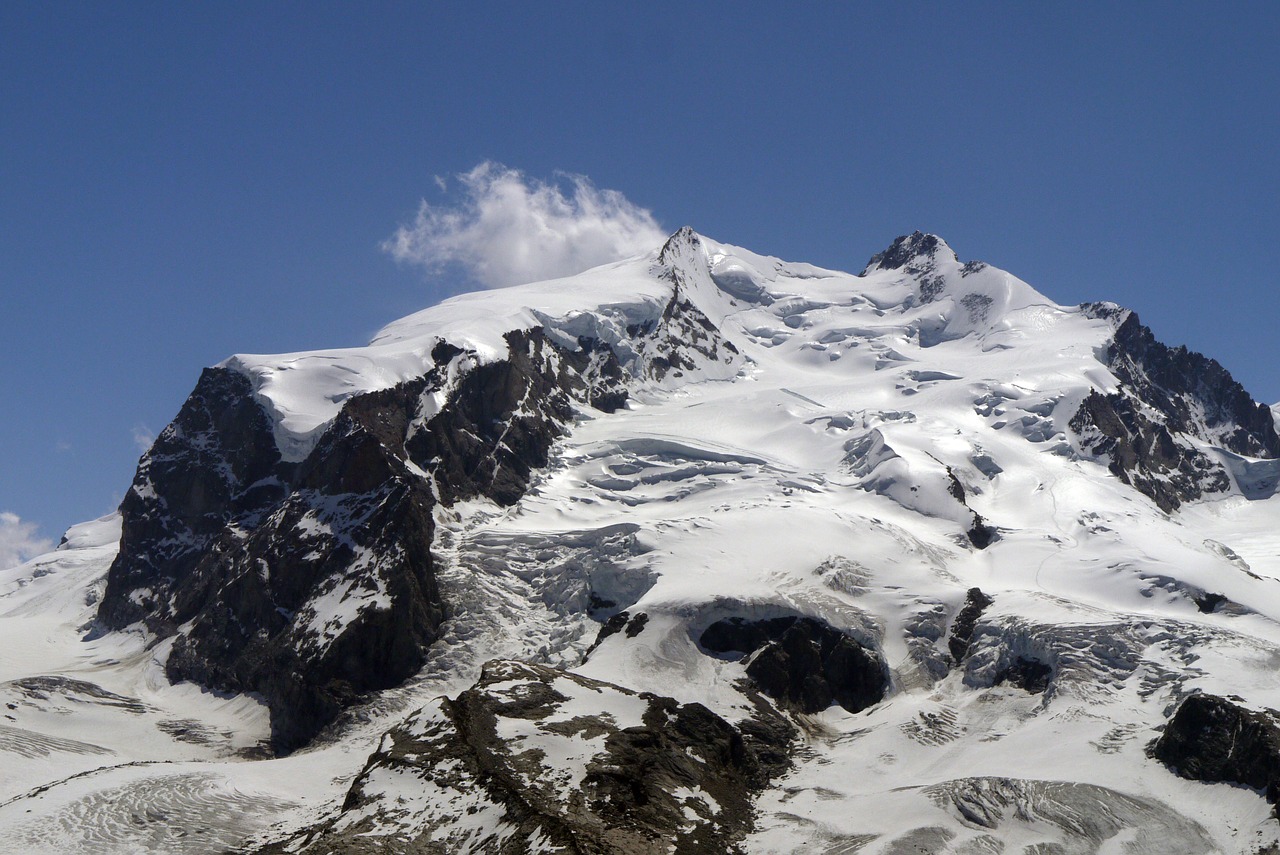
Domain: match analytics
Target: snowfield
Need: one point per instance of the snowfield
(833, 465)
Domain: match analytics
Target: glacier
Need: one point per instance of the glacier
(622, 597)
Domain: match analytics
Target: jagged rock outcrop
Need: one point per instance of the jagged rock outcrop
(334, 595)
(1210, 738)
(802, 662)
(1142, 452)
(975, 603)
(500, 421)
(685, 337)
(554, 762)
(214, 466)
(319, 586)
(910, 253)
(622, 621)
(313, 583)
(1197, 394)
(1169, 397)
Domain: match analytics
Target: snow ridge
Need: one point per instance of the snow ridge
(926, 558)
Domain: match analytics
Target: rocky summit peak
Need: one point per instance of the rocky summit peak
(680, 242)
(914, 252)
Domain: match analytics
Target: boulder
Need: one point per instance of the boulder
(1210, 738)
(802, 662)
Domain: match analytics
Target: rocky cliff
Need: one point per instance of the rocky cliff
(313, 583)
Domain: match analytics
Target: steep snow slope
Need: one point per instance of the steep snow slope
(766, 502)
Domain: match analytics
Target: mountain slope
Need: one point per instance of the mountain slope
(919, 557)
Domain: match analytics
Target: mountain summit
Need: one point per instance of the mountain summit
(699, 551)
(913, 253)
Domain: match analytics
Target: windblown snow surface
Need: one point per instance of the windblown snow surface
(813, 476)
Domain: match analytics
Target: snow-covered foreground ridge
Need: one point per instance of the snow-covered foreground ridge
(701, 551)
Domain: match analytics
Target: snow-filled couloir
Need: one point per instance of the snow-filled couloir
(700, 551)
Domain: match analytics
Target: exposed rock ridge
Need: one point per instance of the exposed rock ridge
(1169, 399)
(913, 254)
(1210, 738)
(645, 773)
(214, 468)
(313, 583)
(1199, 395)
(686, 337)
(802, 662)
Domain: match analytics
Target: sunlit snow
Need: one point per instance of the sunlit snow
(815, 479)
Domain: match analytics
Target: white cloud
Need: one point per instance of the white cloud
(143, 437)
(19, 541)
(505, 228)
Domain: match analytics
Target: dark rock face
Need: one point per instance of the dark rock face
(313, 583)
(975, 603)
(651, 773)
(484, 442)
(981, 534)
(801, 662)
(616, 624)
(1143, 453)
(911, 253)
(1168, 397)
(1212, 739)
(215, 465)
(1180, 382)
(685, 337)
(311, 619)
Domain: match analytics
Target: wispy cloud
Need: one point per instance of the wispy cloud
(143, 437)
(19, 541)
(503, 227)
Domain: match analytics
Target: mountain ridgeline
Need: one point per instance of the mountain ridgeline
(313, 583)
(304, 564)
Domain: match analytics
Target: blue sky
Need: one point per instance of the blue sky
(179, 182)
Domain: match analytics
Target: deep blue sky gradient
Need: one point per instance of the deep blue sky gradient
(182, 181)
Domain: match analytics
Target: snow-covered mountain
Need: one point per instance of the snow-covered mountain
(697, 552)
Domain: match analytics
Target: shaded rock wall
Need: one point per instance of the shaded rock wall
(1210, 738)
(314, 583)
(635, 773)
(802, 662)
(1167, 398)
(215, 465)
